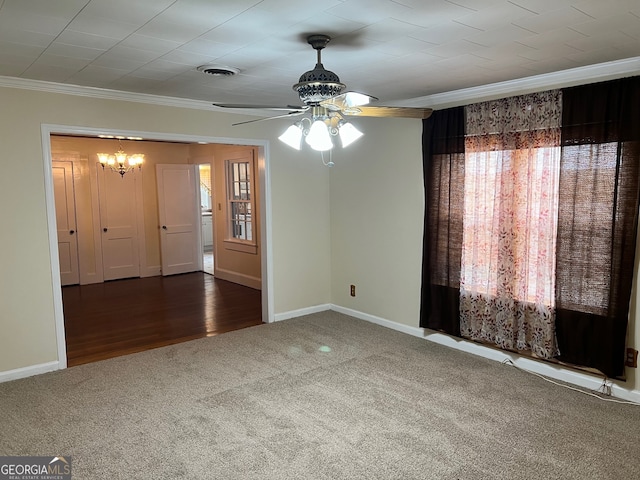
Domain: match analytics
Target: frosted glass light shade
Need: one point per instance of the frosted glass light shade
(292, 136)
(318, 137)
(136, 160)
(121, 157)
(349, 134)
(355, 99)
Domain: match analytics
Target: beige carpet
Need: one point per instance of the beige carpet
(320, 397)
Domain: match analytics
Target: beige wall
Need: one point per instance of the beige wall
(377, 204)
(299, 205)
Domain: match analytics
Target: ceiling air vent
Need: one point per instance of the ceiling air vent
(218, 70)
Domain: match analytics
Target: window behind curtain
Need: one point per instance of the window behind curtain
(512, 162)
(523, 185)
(443, 163)
(597, 227)
(598, 190)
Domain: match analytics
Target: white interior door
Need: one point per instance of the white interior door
(66, 222)
(117, 198)
(179, 214)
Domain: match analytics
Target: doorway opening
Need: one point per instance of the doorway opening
(206, 212)
(260, 146)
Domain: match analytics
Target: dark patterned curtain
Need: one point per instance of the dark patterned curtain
(597, 222)
(598, 201)
(443, 162)
(512, 164)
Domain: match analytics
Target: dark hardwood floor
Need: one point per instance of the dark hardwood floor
(119, 317)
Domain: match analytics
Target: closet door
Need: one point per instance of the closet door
(118, 223)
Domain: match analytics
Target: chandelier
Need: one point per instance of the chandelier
(120, 162)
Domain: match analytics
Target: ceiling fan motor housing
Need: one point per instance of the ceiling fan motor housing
(318, 84)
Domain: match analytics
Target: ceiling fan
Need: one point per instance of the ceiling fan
(322, 95)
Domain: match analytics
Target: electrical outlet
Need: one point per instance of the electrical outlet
(353, 290)
(632, 358)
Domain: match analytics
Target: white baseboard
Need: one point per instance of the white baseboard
(415, 331)
(151, 271)
(90, 279)
(557, 372)
(246, 280)
(301, 312)
(29, 371)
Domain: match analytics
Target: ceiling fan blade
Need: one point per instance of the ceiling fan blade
(292, 108)
(355, 103)
(290, 114)
(347, 100)
(397, 112)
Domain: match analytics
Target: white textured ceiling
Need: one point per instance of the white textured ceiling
(396, 50)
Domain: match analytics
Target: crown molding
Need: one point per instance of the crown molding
(103, 93)
(560, 79)
(563, 78)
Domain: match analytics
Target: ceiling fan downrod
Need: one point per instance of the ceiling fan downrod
(318, 84)
(318, 42)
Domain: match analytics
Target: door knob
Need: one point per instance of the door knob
(164, 227)
(104, 229)
(71, 232)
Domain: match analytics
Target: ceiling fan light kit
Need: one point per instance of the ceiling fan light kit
(319, 137)
(317, 132)
(321, 92)
(349, 134)
(292, 136)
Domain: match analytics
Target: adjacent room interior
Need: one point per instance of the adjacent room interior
(120, 227)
